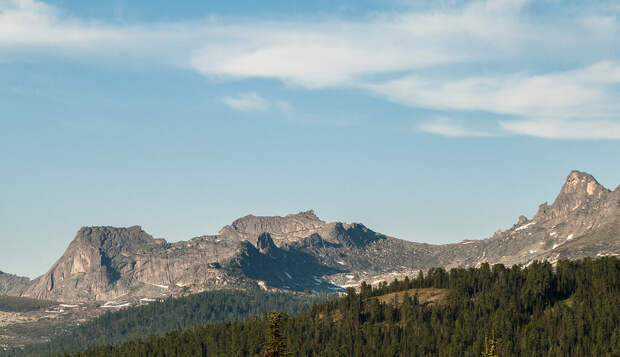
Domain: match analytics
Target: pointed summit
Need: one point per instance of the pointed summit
(580, 191)
(581, 183)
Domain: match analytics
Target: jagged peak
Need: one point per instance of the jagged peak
(579, 181)
(579, 189)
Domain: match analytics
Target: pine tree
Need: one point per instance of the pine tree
(489, 346)
(275, 346)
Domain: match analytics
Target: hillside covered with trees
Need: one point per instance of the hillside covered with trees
(170, 314)
(572, 309)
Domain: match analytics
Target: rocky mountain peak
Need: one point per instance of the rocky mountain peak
(581, 192)
(282, 229)
(114, 240)
(582, 184)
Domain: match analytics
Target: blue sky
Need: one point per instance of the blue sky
(428, 121)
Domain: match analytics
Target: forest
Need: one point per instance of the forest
(170, 314)
(572, 309)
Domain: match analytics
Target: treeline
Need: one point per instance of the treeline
(170, 314)
(22, 304)
(572, 310)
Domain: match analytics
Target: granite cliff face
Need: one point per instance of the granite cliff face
(303, 253)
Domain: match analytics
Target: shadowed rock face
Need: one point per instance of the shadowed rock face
(301, 252)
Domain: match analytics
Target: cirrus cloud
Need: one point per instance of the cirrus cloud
(488, 56)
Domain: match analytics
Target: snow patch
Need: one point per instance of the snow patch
(553, 234)
(288, 275)
(340, 262)
(524, 226)
(467, 242)
(122, 305)
(147, 300)
(570, 236)
(606, 254)
(532, 251)
(377, 282)
(262, 285)
(350, 277)
(111, 304)
(69, 306)
(160, 286)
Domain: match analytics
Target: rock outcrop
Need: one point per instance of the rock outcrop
(303, 253)
(12, 284)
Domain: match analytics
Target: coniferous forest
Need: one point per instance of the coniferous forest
(170, 314)
(572, 309)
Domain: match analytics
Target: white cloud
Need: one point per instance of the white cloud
(451, 128)
(33, 27)
(254, 102)
(559, 93)
(578, 103)
(489, 56)
(247, 102)
(565, 129)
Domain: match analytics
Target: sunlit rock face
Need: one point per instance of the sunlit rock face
(301, 252)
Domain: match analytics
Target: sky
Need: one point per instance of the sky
(431, 121)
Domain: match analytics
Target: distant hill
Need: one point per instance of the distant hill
(572, 310)
(300, 252)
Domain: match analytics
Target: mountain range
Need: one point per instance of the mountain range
(300, 252)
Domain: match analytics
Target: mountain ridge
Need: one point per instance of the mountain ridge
(303, 253)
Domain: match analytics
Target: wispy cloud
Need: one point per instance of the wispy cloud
(254, 102)
(450, 128)
(565, 129)
(247, 102)
(583, 100)
(489, 56)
